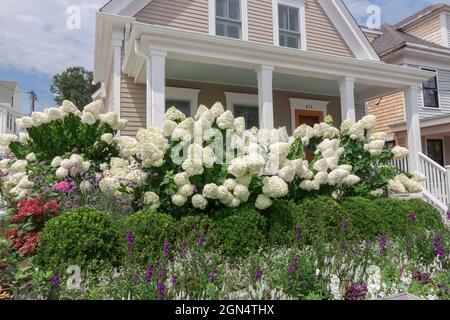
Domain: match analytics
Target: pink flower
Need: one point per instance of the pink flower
(63, 186)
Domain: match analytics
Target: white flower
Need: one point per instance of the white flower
(255, 163)
(409, 184)
(239, 124)
(287, 173)
(107, 138)
(62, 173)
(178, 200)
(309, 185)
(110, 118)
(193, 167)
(109, 186)
(54, 114)
(345, 126)
(321, 165)
(226, 120)
(378, 136)
(238, 167)
(375, 147)
(418, 177)
(400, 152)
(168, 127)
(230, 184)
(68, 107)
(24, 123)
(39, 118)
(263, 202)
(275, 187)
(88, 118)
(19, 166)
(24, 183)
(181, 179)
(24, 137)
(377, 193)
(174, 114)
(396, 186)
(244, 180)
(31, 157)
(217, 110)
(200, 111)
(104, 166)
(241, 192)
(209, 158)
(211, 191)
(151, 199)
(321, 178)
(357, 131)
(335, 283)
(5, 163)
(369, 122)
(187, 190)
(351, 180)
(337, 176)
(199, 202)
(85, 186)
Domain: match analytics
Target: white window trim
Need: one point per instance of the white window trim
(234, 98)
(300, 4)
(185, 94)
(444, 29)
(438, 90)
(306, 105)
(244, 18)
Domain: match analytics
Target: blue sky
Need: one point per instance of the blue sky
(36, 42)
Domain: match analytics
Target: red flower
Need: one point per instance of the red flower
(51, 207)
(11, 234)
(31, 241)
(27, 208)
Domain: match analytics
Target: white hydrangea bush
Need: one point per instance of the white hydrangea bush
(212, 160)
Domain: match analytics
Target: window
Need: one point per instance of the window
(390, 144)
(288, 21)
(430, 92)
(228, 18)
(183, 106)
(250, 113)
(435, 148)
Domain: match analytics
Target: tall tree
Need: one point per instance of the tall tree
(74, 84)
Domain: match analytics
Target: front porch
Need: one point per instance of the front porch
(286, 86)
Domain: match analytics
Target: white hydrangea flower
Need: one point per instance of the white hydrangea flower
(199, 202)
(226, 120)
(5, 163)
(179, 200)
(19, 166)
(255, 163)
(200, 111)
(175, 115)
(31, 157)
(244, 180)
(321, 165)
(241, 192)
(209, 158)
(68, 107)
(95, 108)
(345, 126)
(85, 186)
(88, 118)
(168, 127)
(263, 202)
(321, 178)
(110, 118)
(54, 114)
(287, 173)
(225, 196)
(377, 193)
(357, 131)
(409, 184)
(187, 190)
(151, 199)
(107, 138)
(238, 167)
(193, 167)
(239, 124)
(62, 173)
(378, 136)
(400, 152)
(24, 183)
(230, 184)
(104, 166)
(275, 187)
(375, 147)
(39, 118)
(109, 186)
(24, 137)
(217, 110)
(418, 177)
(396, 186)
(181, 179)
(128, 146)
(351, 180)
(369, 122)
(211, 191)
(337, 176)
(309, 185)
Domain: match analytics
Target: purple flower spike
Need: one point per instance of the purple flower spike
(438, 249)
(173, 280)
(383, 243)
(201, 241)
(55, 281)
(149, 274)
(412, 217)
(355, 292)
(212, 276)
(166, 248)
(258, 274)
(160, 290)
(130, 240)
(298, 232)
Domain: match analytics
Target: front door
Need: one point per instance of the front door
(435, 149)
(309, 118)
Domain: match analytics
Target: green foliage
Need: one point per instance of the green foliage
(192, 227)
(281, 221)
(240, 231)
(74, 84)
(149, 230)
(80, 237)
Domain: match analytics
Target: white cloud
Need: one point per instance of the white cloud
(34, 34)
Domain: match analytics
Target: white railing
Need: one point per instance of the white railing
(437, 182)
(402, 164)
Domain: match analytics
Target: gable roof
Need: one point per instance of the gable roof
(393, 39)
(421, 14)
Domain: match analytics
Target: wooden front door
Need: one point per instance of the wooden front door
(310, 118)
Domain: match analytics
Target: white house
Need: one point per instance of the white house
(9, 106)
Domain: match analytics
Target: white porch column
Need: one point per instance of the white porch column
(414, 136)
(156, 88)
(265, 97)
(118, 37)
(347, 90)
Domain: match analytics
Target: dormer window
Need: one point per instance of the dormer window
(430, 92)
(228, 18)
(288, 20)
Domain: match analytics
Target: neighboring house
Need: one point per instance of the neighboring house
(420, 41)
(276, 62)
(9, 106)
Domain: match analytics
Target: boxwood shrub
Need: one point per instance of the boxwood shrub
(239, 231)
(80, 237)
(149, 230)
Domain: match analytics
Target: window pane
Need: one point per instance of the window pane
(221, 8)
(220, 28)
(283, 17)
(233, 31)
(431, 83)
(250, 113)
(234, 10)
(289, 40)
(430, 98)
(293, 19)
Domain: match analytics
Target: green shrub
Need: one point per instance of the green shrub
(149, 229)
(80, 237)
(281, 222)
(191, 228)
(239, 231)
